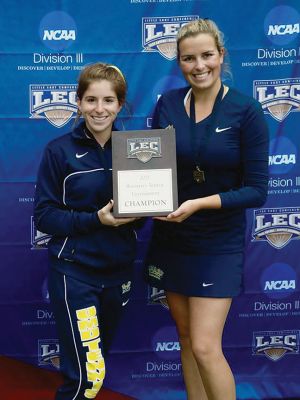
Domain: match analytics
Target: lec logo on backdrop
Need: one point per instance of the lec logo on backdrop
(159, 34)
(54, 102)
(275, 344)
(48, 352)
(278, 97)
(39, 240)
(277, 226)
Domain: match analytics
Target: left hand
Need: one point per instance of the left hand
(183, 212)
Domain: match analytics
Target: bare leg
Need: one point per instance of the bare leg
(207, 319)
(179, 307)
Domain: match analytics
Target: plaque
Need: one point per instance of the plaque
(144, 172)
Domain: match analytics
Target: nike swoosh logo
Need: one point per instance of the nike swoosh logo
(206, 284)
(125, 302)
(218, 130)
(81, 155)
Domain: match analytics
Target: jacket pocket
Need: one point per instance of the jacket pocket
(105, 248)
(63, 248)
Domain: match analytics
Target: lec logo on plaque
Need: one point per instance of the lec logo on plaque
(144, 148)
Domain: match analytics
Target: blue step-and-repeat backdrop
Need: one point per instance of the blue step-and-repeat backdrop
(43, 47)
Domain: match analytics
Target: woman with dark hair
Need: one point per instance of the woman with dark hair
(91, 253)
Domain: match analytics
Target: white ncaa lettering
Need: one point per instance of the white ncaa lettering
(218, 130)
(280, 285)
(278, 159)
(167, 346)
(59, 34)
(283, 29)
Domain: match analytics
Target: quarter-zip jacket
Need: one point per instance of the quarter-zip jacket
(232, 148)
(74, 182)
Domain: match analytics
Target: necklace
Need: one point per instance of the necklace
(198, 171)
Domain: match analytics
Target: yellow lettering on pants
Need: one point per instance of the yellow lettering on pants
(95, 367)
(89, 332)
(87, 323)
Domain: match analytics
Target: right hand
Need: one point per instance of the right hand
(106, 216)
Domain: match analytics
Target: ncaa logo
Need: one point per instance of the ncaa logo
(144, 148)
(282, 25)
(159, 34)
(165, 343)
(278, 97)
(275, 344)
(277, 226)
(282, 155)
(57, 30)
(278, 281)
(55, 102)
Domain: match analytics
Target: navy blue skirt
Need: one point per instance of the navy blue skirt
(199, 275)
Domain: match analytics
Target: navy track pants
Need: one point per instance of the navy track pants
(86, 319)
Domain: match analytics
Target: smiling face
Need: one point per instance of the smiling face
(201, 61)
(99, 107)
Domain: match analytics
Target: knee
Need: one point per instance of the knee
(205, 352)
(184, 337)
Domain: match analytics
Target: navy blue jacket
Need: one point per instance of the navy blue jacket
(74, 182)
(232, 148)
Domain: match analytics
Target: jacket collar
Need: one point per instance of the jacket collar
(81, 133)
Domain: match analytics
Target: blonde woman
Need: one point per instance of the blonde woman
(196, 253)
